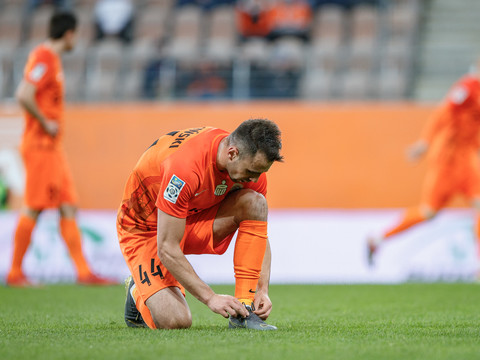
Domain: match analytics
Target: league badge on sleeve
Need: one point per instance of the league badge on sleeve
(173, 189)
(37, 72)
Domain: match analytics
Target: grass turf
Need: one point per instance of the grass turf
(410, 321)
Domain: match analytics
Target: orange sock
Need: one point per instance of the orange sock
(412, 217)
(72, 237)
(22, 239)
(248, 258)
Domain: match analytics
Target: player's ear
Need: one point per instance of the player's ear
(232, 152)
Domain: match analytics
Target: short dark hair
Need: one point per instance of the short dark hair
(60, 23)
(258, 135)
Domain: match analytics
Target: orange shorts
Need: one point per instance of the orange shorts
(140, 251)
(49, 182)
(443, 182)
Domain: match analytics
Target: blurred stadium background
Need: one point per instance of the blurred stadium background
(249, 49)
(350, 83)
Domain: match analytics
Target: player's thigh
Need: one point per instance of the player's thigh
(438, 189)
(149, 274)
(245, 204)
(169, 309)
(68, 195)
(42, 179)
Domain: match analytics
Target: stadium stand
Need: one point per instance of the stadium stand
(345, 49)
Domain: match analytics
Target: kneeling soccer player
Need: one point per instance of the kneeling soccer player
(188, 194)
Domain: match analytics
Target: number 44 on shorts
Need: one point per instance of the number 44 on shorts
(154, 271)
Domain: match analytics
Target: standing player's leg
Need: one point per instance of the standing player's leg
(69, 230)
(411, 217)
(36, 197)
(22, 239)
(436, 192)
(73, 239)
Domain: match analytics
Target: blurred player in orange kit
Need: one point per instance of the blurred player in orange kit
(452, 138)
(188, 194)
(49, 183)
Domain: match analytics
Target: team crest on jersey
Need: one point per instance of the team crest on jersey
(173, 189)
(221, 189)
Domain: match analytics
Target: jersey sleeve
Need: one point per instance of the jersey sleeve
(40, 71)
(176, 189)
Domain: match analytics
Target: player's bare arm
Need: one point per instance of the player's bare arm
(170, 231)
(26, 97)
(262, 302)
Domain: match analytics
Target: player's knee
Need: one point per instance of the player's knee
(180, 321)
(252, 205)
(32, 213)
(430, 214)
(69, 211)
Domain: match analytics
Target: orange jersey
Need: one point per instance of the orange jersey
(453, 131)
(178, 175)
(44, 71)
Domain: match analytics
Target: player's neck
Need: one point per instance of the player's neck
(221, 154)
(56, 46)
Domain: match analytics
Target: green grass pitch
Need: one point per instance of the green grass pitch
(409, 321)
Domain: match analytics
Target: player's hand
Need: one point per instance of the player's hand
(416, 151)
(226, 306)
(51, 127)
(263, 305)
